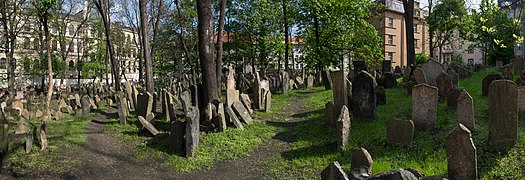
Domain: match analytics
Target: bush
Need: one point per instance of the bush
(421, 58)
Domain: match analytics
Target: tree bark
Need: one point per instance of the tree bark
(101, 7)
(146, 48)
(220, 43)
(286, 35)
(205, 29)
(431, 31)
(408, 5)
(43, 139)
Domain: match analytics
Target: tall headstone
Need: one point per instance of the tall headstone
(455, 77)
(177, 140)
(386, 66)
(503, 113)
(230, 78)
(521, 99)
(285, 78)
(444, 84)
(487, 81)
(86, 107)
(144, 104)
(432, 70)
(419, 76)
(424, 106)
(461, 154)
(326, 79)
(465, 110)
(507, 71)
(406, 74)
(330, 113)
(339, 88)
(343, 128)
(364, 97)
(192, 131)
(129, 93)
(359, 66)
(399, 132)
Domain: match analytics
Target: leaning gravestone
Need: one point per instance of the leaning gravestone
(343, 128)
(360, 158)
(419, 76)
(424, 106)
(389, 80)
(487, 81)
(503, 113)
(444, 84)
(148, 126)
(245, 100)
(461, 154)
(507, 71)
(432, 69)
(455, 77)
(233, 117)
(521, 99)
(339, 89)
(242, 112)
(192, 131)
(144, 104)
(399, 132)
(364, 97)
(465, 110)
(334, 171)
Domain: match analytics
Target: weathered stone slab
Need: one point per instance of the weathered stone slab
(361, 157)
(455, 77)
(232, 96)
(330, 113)
(406, 74)
(487, 81)
(452, 98)
(285, 78)
(399, 132)
(465, 110)
(242, 112)
(233, 117)
(334, 171)
(419, 76)
(386, 66)
(503, 113)
(177, 140)
(507, 71)
(339, 89)
(424, 106)
(192, 131)
(86, 106)
(144, 104)
(359, 66)
(444, 84)
(432, 70)
(148, 126)
(461, 154)
(268, 101)
(246, 102)
(521, 99)
(364, 97)
(343, 128)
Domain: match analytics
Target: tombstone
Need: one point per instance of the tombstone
(242, 112)
(144, 104)
(268, 101)
(386, 67)
(518, 65)
(390, 80)
(359, 66)
(507, 71)
(129, 93)
(432, 70)
(327, 80)
(444, 84)
(231, 96)
(177, 141)
(364, 97)
(380, 96)
(148, 126)
(409, 86)
(330, 113)
(455, 77)
(309, 81)
(462, 72)
(499, 64)
(406, 74)
(185, 98)
(194, 90)
(343, 128)
(334, 171)
(521, 99)
(86, 108)
(503, 113)
(487, 81)
(465, 110)
(285, 79)
(122, 107)
(424, 106)
(521, 79)
(399, 132)
(452, 98)
(220, 118)
(397, 174)
(233, 117)
(246, 102)
(230, 78)
(461, 154)
(339, 89)
(360, 158)
(192, 131)
(419, 76)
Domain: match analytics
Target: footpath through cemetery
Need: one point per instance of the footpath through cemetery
(232, 89)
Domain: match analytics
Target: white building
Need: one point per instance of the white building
(459, 48)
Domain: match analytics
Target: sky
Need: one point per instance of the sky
(470, 3)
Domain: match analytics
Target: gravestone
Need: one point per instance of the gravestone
(455, 77)
(343, 128)
(231, 96)
(192, 131)
(462, 72)
(465, 110)
(380, 96)
(359, 66)
(364, 97)
(461, 154)
(285, 80)
(326, 79)
(220, 119)
(521, 79)
(268, 101)
(185, 98)
(86, 108)
(419, 76)
(399, 132)
(144, 104)
(507, 71)
(503, 113)
(177, 140)
(499, 64)
(148, 126)
(242, 112)
(386, 66)
(521, 99)
(424, 106)
(444, 84)
(310, 81)
(339, 89)
(122, 107)
(330, 113)
(129, 93)
(389, 80)
(452, 98)
(432, 70)
(406, 74)
(334, 171)
(518, 65)
(246, 102)
(230, 78)
(487, 81)
(233, 117)
(361, 157)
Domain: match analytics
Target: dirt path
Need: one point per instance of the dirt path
(104, 156)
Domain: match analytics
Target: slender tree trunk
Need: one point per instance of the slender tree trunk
(220, 43)
(146, 48)
(431, 31)
(156, 26)
(181, 37)
(47, 115)
(205, 28)
(286, 35)
(408, 5)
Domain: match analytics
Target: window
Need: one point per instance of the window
(3, 63)
(415, 43)
(390, 40)
(79, 46)
(71, 47)
(390, 56)
(391, 22)
(71, 65)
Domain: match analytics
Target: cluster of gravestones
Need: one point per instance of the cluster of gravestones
(427, 84)
(27, 104)
(284, 81)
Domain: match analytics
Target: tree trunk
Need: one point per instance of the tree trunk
(114, 66)
(220, 43)
(408, 5)
(286, 35)
(146, 48)
(156, 26)
(205, 27)
(431, 31)
(43, 139)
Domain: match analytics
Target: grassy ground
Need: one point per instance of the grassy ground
(316, 145)
(63, 136)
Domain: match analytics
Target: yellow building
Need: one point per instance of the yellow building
(391, 26)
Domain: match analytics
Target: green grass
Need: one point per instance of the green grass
(63, 136)
(316, 144)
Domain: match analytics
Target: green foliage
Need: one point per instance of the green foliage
(446, 21)
(422, 58)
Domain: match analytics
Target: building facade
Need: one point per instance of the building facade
(391, 26)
